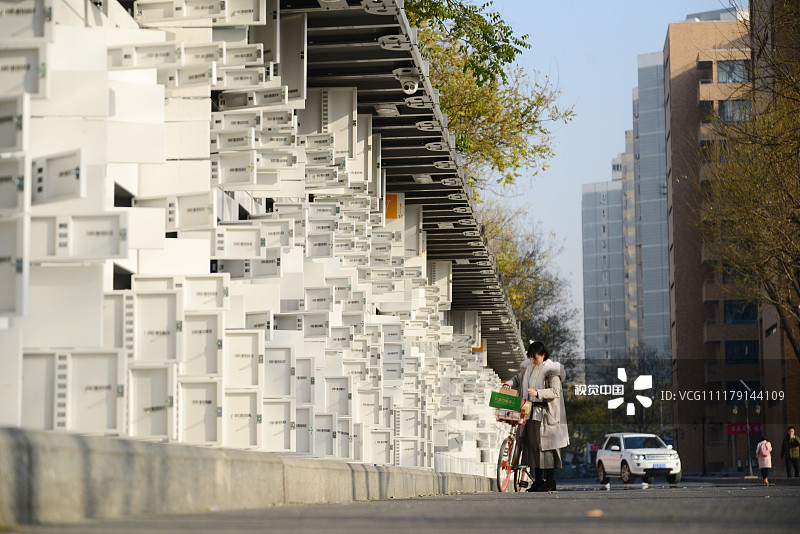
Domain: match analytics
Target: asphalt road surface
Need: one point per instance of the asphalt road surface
(577, 507)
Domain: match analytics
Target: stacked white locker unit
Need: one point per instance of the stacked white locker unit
(280, 298)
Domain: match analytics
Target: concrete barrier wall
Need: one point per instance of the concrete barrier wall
(48, 477)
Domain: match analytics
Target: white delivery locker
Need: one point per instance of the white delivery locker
(392, 373)
(341, 337)
(203, 338)
(15, 182)
(244, 358)
(151, 401)
(58, 177)
(243, 12)
(24, 67)
(407, 422)
(369, 406)
(356, 370)
(156, 323)
(202, 53)
(200, 409)
(209, 292)
(26, 20)
(261, 320)
(147, 12)
(305, 381)
(184, 212)
(234, 169)
(320, 245)
(344, 438)
(231, 242)
(278, 425)
(278, 232)
(354, 321)
(279, 378)
(79, 237)
(408, 452)
(316, 325)
(358, 441)
(378, 447)
(241, 413)
(339, 395)
(293, 46)
(243, 54)
(14, 265)
(96, 391)
(304, 433)
(324, 434)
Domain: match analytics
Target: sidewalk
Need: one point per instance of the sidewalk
(740, 478)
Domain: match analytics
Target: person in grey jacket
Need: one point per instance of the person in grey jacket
(546, 431)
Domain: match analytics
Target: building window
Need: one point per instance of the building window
(739, 312)
(741, 352)
(605, 324)
(734, 110)
(733, 71)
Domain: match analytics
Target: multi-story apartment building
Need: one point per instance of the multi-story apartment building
(603, 280)
(714, 338)
(651, 205)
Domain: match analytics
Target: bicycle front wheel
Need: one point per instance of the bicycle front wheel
(522, 479)
(505, 466)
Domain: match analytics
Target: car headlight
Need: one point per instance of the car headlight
(638, 456)
(673, 456)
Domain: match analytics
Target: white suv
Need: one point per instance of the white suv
(629, 455)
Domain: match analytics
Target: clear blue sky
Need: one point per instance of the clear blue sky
(590, 48)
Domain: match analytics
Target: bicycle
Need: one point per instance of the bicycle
(508, 460)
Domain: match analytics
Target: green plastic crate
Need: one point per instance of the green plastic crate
(506, 402)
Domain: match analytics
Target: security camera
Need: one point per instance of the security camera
(410, 84)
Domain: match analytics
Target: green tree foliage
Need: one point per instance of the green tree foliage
(501, 116)
(539, 296)
(483, 39)
(749, 182)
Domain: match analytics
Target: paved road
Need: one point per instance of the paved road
(689, 507)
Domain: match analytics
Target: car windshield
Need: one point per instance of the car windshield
(644, 442)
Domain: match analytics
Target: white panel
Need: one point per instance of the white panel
(136, 102)
(294, 54)
(188, 256)
(14, 123)
(304, 429)
(11, 377)
(344, 437)
(53, 290)
(38, 391)
(187, 140)
(174, 177)
(304, 380)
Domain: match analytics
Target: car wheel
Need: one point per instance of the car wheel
(625, 473)
(602, 476)
(674, 479)
(648, 479)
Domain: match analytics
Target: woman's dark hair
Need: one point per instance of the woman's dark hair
(537, 347)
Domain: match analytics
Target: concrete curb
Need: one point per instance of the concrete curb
(49, 477)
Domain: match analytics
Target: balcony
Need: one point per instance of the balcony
(705, 131)
(706, 254)
(713, 291)
(715, 332)
(708, 91)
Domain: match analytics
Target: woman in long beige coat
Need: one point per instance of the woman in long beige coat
(764, 460)
(546, 430)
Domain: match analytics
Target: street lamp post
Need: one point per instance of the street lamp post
(747, 428)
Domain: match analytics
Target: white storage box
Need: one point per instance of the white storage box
(244, 358)
(304, 432)
(339, 395)
(79, 237)
(203, 333)
(58, 177)
(278, 422)
(15, 182)
(24, 68)
(324, 434)
(231, 242)
(151, 394)
(378, 447)
(369, 406)
(39, 391)
(408, 452)
(157, 326)
(244, 54)
(279, 379)
(263, 321)
(26, 20)
(184, 212)
(407, 422)
(14, 265)
(316, 325)
(358, 442)
(304, 380)
(242, 419)
(200, 408)
(344, 437)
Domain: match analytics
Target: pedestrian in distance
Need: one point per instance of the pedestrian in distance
(764, 455)
(790, 452)
(546, 430)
